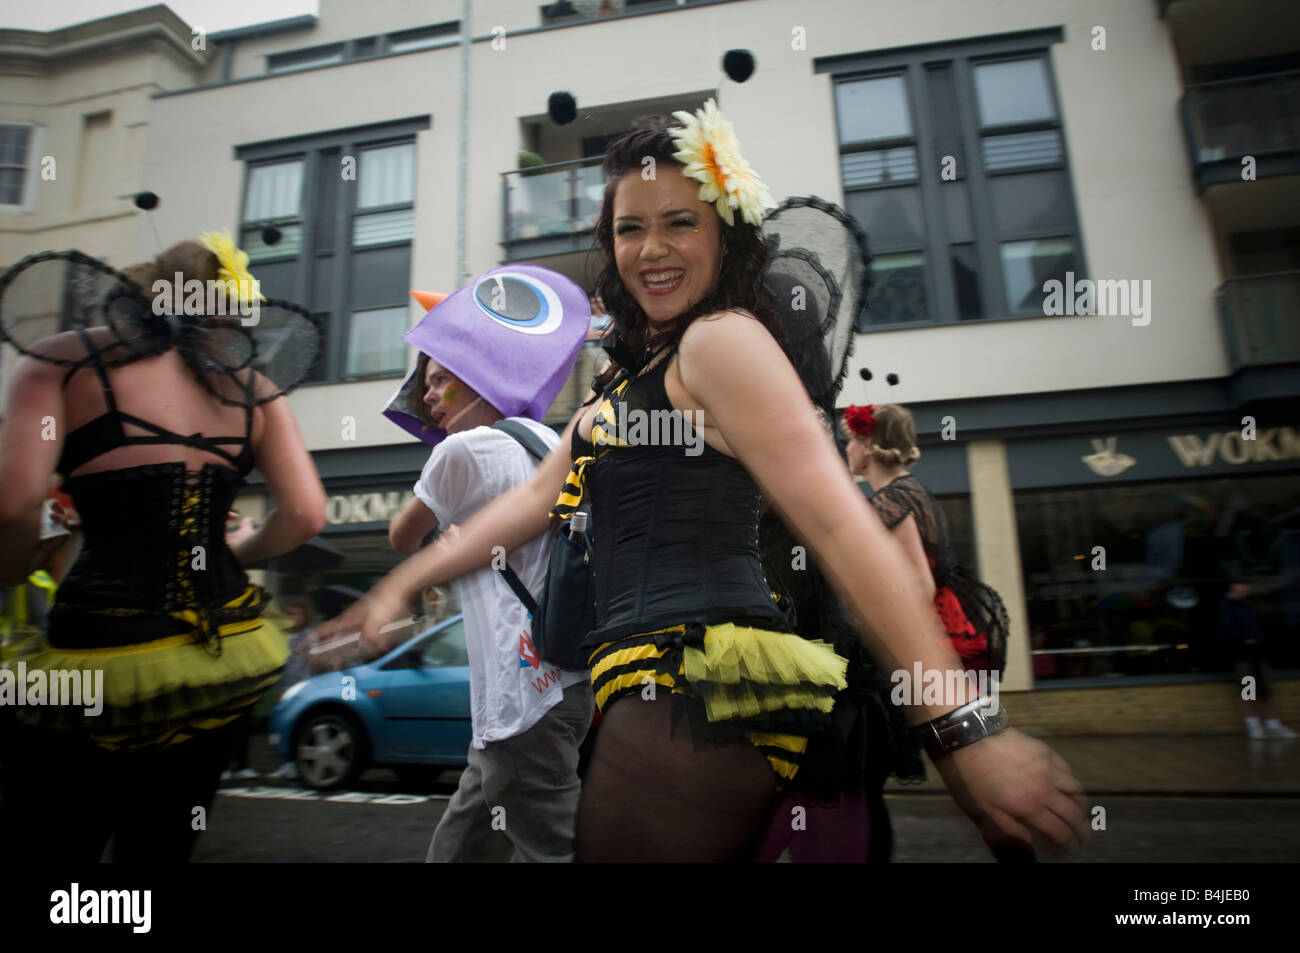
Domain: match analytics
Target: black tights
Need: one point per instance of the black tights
(63, 797)
(650, 796)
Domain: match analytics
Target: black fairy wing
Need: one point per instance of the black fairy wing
(253, 359)
(243, 356)
(818, 275)
(54, 292)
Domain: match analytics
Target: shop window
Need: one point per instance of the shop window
(1127, 580)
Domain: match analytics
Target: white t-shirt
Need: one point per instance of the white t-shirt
(510, 688)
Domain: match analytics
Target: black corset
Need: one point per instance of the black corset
(142, 526)
(674, 536)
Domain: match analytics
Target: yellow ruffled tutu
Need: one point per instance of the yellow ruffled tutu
(162, 691)
(743, 672)
(774, 688)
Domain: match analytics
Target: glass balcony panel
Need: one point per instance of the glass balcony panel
(551, 200)
(1261, 316)
(1230, 120)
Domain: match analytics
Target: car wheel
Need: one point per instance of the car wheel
(329, 751)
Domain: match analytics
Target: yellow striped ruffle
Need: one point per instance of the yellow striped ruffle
(153, 689)
(604, 428)
(574, 487)
(604, 433)
(782, 751)
(739, 674)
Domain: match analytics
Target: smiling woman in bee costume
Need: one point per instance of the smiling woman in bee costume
(708, 698)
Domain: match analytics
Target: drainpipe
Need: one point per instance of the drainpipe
(462, 211)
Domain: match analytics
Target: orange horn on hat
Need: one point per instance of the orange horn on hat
(428, 300)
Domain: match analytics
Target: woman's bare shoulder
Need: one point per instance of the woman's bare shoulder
(734, 325)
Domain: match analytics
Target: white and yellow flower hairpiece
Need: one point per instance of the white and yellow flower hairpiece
(711, 153)
(233, 264)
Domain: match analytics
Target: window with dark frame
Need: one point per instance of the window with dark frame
(403, 41)
(344, 204)
(306, 59)
(15, 149)
(953, 159)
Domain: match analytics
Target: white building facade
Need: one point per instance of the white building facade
(1144, 155)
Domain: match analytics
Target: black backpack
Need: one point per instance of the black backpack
(566, 612)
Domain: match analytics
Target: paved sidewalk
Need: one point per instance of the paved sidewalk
(1168, 765)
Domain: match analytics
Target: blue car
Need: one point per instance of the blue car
(408, 710)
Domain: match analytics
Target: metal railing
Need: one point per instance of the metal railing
(1261, 318)
(561, 198)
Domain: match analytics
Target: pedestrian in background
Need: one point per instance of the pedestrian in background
(1239, 624)
(518, 796)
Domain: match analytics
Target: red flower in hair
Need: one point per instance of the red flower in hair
(860, 420)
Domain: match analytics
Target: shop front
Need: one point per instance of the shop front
(364, 490)
(1128, 543)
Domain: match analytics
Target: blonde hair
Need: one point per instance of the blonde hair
(893, 439)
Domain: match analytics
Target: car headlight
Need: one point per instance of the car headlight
(293, 690)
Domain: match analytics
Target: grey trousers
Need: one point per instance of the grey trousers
(518, 798)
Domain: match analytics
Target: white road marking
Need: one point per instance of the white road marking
(344, 797)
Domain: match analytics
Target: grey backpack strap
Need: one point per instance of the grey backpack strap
(525, 437)
(533, 444)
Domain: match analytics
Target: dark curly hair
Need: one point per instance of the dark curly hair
(744, 265)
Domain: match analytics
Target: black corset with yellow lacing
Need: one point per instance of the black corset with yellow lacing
(154, 550)
(674, 533)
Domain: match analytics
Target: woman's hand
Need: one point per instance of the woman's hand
(1017, 790)
(243, 531)
(367, 616)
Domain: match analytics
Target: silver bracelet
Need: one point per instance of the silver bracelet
(960, 727)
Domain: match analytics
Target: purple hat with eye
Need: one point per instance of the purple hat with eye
(511, 335)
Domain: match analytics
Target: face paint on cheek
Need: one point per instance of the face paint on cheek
(451, 393)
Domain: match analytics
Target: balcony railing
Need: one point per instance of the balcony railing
(1228, 120)
(556, 201)
(1261, 318)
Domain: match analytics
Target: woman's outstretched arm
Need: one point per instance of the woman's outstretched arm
(1011, 785)
(502, 525)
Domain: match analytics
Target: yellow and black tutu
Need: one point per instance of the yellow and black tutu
(212, 668)
(774, 688)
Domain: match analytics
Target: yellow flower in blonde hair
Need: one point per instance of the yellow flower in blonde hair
(711, 154)
(233, 264)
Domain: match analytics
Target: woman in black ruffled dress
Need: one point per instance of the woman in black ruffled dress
(881, 442)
